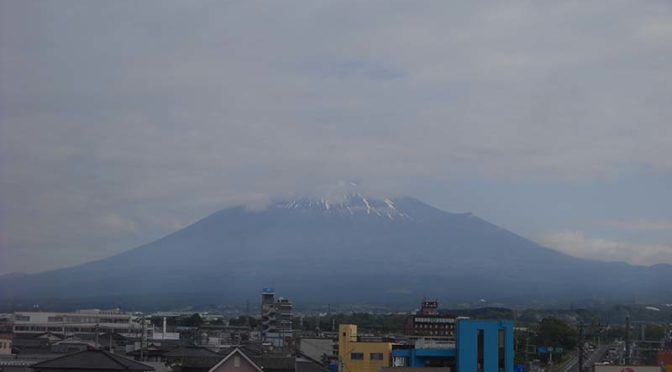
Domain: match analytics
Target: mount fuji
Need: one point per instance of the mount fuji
(351, 249)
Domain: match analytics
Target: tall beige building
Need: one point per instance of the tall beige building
(356, 355)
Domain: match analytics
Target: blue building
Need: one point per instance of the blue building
(480, 346)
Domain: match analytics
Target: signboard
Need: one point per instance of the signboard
(550, 349)
(419, 319)
(398, 362)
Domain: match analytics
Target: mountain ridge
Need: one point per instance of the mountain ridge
(361, 249)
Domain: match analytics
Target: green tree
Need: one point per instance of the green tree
(194, 320)
(243, 321)
(554, 332)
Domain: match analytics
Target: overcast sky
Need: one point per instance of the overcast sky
(122, 121)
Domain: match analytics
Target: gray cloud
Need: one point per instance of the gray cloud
(639, 225)
(578, 245)
(120, 121)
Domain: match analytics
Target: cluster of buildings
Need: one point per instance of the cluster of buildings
(97, 340)
(434, 342)
(111, 340)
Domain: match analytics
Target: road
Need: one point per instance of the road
(594, 357)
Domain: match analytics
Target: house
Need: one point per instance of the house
(275, 362)
(26, 345)
(236, 361)
(319, 349)
(51, 337)
(111, 341)
(151, 353)
(72, 344)
(91, 360)
(192, 359)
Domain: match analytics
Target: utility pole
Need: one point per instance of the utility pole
(527, 348)
(247, 313)
(142, 339)
(580, 349)
(627, 339)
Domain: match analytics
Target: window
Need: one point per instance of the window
(376, 356)
(501, 350)
(356, 356)
(236, 361)
(23, 318)
(480, 349)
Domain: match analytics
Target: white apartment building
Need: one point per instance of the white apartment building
(80, 322)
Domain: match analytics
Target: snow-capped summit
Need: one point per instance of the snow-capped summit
(354, 203)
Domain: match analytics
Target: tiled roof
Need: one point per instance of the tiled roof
(192, 351)
(92, 359)
(275, 362)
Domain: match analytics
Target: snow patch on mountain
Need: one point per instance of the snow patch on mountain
(347, 204)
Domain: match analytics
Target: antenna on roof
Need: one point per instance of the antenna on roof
(247, 313)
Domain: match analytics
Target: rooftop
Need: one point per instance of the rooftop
(92, 359)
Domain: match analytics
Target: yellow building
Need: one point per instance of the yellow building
(361, 356)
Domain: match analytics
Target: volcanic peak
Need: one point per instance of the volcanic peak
(347, 204)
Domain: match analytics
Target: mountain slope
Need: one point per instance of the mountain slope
(352, 250)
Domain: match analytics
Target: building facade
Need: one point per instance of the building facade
(276, 319)
(429, 322)
(484, 345)
(355, 354)
(480, 345)
(81, 322)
